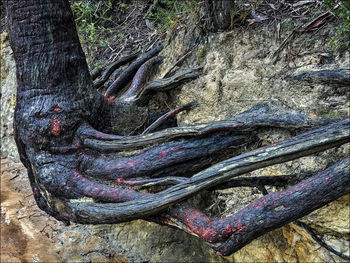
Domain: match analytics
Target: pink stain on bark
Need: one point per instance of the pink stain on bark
(162, 154)
(132, 164)
(109, 99)
(35, 190)
(55, 126)
(258, 203)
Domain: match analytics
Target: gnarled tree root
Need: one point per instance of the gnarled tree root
(80, 174)
(305, 144)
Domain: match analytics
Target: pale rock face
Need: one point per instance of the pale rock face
(8, 98)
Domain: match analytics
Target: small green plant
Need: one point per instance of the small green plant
(91, 18)
(98, 64)
(170, 13)
(341, 9)
(123, 5)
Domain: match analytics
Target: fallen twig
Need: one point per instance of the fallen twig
(177, 63)
(167, 115)
(319, 240)
(316, 22)
(300, 29)
(289, 38)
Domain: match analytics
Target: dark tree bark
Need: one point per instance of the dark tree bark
(67, 158)
(219, 14)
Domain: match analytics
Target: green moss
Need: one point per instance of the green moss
(287, 24)
(341, 9)
(202, 51)
(325, 112)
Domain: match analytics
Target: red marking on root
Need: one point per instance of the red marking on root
(209, 232)
(56, 109)
(109, 99)
(258, 203)
(55, 127)
(262, 147)
(112, 196)
(132, 164)
(127, 182)
(35, 190)
(239, 226)
(162, 154)
(131, 182)
(243, 228)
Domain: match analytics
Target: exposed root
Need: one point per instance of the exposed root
(243, 123)
(305, 144)
(279, 208)
(110, 69)
(146, 183)
(128, 74)
(171, 82)
(230, 233)
(168, 115)
(82, 175)
(278, 180)
(141, 76)
(320, 241)
(177, 63)
(147, 162)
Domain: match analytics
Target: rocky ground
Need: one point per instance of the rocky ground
(30, 235)
(25, 230)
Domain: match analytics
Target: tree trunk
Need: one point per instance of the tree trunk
(54, 93)
(219, 14)
(54, 84)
